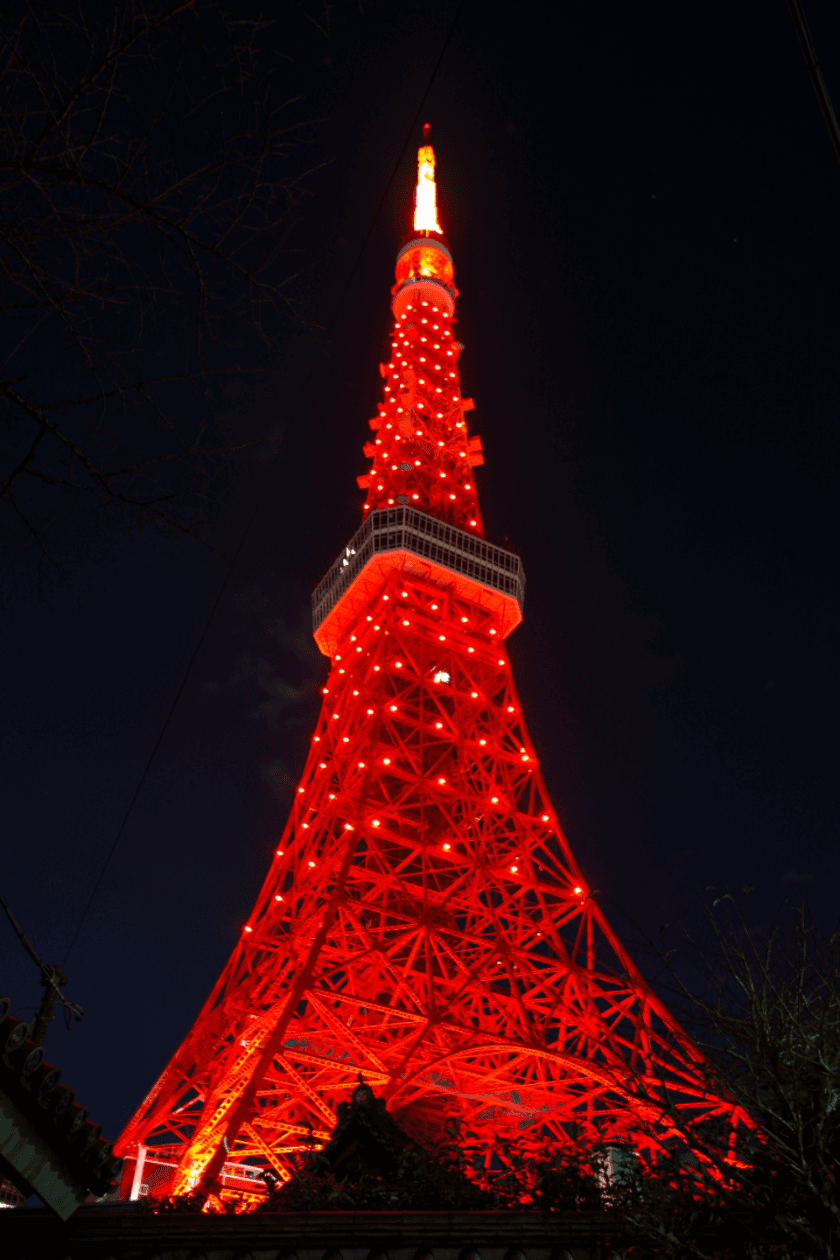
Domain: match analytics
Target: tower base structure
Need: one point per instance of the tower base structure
(424, 923)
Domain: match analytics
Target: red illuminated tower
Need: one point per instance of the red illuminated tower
(424, 921)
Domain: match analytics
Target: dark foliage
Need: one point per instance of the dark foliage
(419, 1182)
(456, 1175)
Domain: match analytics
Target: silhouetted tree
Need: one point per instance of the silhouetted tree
(764, 1008)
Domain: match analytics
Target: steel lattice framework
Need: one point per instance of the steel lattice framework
(424, 921)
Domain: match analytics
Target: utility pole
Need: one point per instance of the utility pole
(51, 979)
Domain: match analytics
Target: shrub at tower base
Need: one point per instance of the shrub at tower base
(370, 1164)
(440, 1181)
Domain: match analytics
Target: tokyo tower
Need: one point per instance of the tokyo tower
(424, 921)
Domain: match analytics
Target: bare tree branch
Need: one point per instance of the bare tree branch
(763, 1004)
(147, 183)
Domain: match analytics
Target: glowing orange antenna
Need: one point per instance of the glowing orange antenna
(425, 201)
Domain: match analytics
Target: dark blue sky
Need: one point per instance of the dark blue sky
(643, 209)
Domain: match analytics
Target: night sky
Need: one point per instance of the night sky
(643, 206)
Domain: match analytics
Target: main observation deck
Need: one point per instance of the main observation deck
(399, 535)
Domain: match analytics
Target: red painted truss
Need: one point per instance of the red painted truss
(424, 921)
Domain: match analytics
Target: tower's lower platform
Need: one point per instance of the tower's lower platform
(476, 570)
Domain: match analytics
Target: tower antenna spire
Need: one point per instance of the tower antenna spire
(425, 196)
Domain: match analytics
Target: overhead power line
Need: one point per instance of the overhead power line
(815, 74)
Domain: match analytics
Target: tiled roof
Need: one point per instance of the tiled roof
(48, 1146)
(134, 1235)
